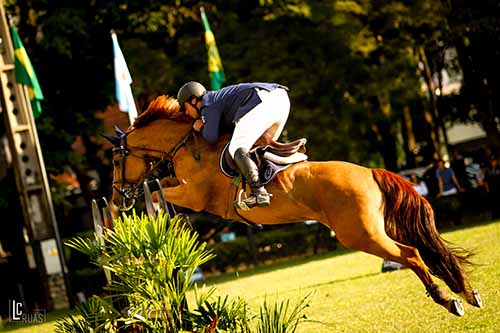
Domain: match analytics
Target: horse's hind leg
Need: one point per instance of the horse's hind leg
(473, 297)
(409, 256)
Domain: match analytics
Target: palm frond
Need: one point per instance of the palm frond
(280, 317)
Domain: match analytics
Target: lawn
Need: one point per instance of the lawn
(348, 293)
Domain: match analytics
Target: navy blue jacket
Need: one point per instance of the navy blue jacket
(221, 109)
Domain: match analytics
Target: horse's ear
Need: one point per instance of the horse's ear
(113, 139)
(118, 131)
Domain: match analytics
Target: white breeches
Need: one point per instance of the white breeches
(271, 112)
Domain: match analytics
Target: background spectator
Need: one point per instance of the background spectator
(481, 178)
(419, 185)
(447, 181)
(448, 205)
(458, 166)
(486, 155)
(492, 179)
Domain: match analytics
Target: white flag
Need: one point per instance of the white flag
(123, 80)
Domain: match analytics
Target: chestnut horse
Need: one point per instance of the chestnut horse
(371, 210)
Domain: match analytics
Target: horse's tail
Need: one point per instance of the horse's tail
(409, 219)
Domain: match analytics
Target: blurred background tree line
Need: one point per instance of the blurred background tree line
(365, 75)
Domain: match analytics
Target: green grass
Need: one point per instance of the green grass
(349, 294)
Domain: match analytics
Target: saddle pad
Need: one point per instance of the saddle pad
(268, 170)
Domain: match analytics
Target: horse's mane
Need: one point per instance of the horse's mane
(163, 107)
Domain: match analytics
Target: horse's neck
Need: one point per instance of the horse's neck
(165, 134)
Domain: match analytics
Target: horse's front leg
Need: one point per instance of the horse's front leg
(182, 193)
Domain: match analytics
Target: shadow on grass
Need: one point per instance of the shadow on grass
(353, 278)
(51, 318)
(265, 268)
(447, 227)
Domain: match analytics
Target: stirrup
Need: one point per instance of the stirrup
(239, 203)
(247, 202)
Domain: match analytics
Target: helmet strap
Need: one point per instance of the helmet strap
(195, 106)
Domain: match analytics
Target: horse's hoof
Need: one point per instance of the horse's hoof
(476, 299)
(456, 307)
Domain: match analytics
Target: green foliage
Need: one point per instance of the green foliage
(351, 65)
(150, 261)
(86, 246)
(97, 315)
(281, 317)
(295, 240)
(227, 315)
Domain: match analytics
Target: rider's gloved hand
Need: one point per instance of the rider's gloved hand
(198, 124)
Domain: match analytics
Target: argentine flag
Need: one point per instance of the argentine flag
(123, 80)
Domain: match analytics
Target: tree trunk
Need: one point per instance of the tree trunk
(382, 127)
(430, 117)
(409, 143)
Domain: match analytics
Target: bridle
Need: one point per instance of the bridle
(157, 167)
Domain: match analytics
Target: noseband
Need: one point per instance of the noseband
(156, 167)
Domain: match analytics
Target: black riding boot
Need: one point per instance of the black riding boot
(249, 170)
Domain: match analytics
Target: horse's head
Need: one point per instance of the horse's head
(120, 152)
(147, 149)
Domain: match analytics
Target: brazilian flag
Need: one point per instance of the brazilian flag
(25, 74)
(215, 69)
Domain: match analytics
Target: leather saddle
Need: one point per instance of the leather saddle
(270, 159)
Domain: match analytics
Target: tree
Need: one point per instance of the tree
(471, 28)
(352, 67)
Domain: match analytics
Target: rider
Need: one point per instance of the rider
(247, 110)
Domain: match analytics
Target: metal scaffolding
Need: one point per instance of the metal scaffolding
(31, 178)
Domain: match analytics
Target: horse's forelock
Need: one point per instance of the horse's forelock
(163, 107)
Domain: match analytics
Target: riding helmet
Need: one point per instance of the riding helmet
(189, 90)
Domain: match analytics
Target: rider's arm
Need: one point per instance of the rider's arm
(440, 183)
(457, 184)
(210, 129)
